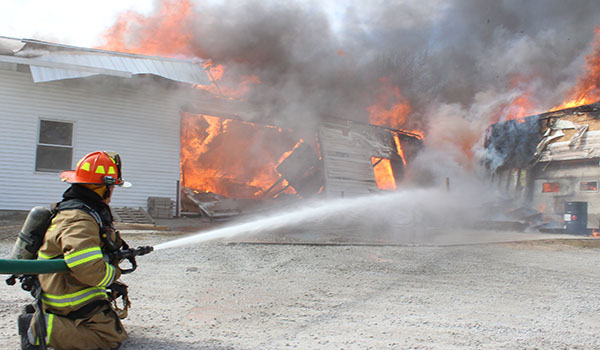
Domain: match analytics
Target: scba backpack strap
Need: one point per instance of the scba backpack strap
(105, 227)
(77, 204)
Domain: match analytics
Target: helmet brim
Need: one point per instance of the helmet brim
(126, 184)
(68, 176)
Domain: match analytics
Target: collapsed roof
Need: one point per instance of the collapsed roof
(567, 134)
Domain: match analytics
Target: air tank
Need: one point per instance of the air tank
(31, 236)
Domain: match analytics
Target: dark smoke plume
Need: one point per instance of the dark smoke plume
(453, 61)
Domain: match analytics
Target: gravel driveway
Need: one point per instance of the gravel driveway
(226, 295)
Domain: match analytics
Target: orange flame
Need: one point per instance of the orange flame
(287, 154)
(229, 157)
(399, 148)
(166, 33)
(390, 108)
(587, 90)
(162, 33)
(522, 105)
(384, 175)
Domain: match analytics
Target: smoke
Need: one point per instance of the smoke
(461, 64)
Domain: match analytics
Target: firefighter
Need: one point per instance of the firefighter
(76, 307)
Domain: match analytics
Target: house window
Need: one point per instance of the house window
(588, 186)
(550, 187)
(54, 147)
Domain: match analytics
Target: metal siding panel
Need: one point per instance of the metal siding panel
(348, 168)
(45, 74)
(184, 71)
(143, 127)
(119, 63)
(174, 70)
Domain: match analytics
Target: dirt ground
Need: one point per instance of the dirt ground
(527, 292)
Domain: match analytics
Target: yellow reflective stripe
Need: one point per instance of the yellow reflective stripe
(100, 169)
(85, 166)
(83, 251)
(73, 299)
(82, 261)
(111, 170)
(52, 225)
(108, 278)
(83, 256)
(49, 326)
(49, 322)
(42, 256)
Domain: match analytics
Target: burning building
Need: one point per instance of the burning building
(231, 158)
(163, 116)
(338, 158)
(549, 161)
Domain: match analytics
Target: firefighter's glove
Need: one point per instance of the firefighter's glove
(116, 290)
(121, 242)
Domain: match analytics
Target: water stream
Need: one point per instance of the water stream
(310, 212)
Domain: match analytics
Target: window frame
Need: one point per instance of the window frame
(38, 144)
(588, 181)
(551, 183)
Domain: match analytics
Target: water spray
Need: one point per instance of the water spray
(309, 212)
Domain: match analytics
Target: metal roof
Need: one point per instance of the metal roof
(49, 62)
(181, 71)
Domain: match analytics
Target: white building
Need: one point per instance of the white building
(58, 103)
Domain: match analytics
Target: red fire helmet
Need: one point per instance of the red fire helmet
(102, 168)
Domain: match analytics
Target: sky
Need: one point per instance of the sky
(72, 22)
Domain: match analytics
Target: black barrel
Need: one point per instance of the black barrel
(575, 218)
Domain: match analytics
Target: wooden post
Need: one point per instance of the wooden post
(178, 199)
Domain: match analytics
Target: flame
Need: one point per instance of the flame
(230, 157)
(220, 88)
(595, 234)
(399, 148)
(162, 33)
(390, 108)
(166, 33)
(287, 154)
(384, 175)
(587, 90)
(520, 106)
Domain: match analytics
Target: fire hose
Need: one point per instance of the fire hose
(36, 267)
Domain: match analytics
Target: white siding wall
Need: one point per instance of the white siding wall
(141, 123)
(347, 164)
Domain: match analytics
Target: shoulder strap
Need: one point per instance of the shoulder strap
(77, 204)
